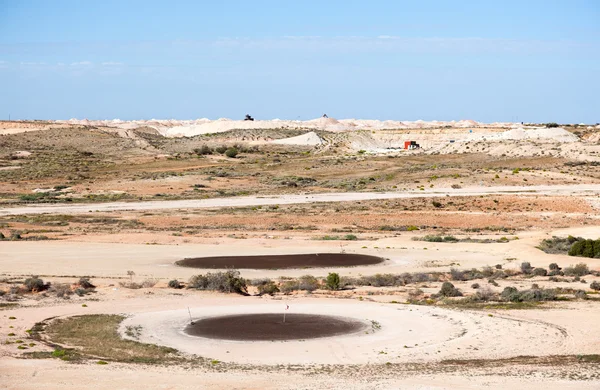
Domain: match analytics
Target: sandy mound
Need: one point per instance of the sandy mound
(190, 128)
(309, 139)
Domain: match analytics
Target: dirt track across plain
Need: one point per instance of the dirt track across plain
(245, 201)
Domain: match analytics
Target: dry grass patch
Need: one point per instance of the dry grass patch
(98, 336)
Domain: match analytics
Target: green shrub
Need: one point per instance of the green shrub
(231, 152)
(59, 353)
(333, 281)
(586, 248)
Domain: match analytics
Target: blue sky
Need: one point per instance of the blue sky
(405, 60)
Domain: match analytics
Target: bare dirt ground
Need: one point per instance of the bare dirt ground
(121, 204)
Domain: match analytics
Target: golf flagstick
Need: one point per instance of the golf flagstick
(284, 310)
(190, 313)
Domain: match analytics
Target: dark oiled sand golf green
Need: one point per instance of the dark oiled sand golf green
(309, 260)
(269, 326)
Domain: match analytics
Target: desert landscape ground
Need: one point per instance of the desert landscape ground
(170, 252)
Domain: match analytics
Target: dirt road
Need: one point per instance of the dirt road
(583, 189)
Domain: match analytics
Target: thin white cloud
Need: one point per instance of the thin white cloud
(112, 63)
(81, 63)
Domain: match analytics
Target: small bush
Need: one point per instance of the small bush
(175, 284)
(475, 285)
(595, 286)
(526, 267)
(580, 269)
(221, 149)
(580, 294)
(268, 288)
(511, 294)
(62, 290)
(448, 290)
(436, 204)
(35, 284)
(540, 272)
(231, 152)
(333, 281)
(289, 286)
(484, 294)
(85, 283)
(203, 150)
(554, 267)
(80, 292)
(308, 283)
(228, 282)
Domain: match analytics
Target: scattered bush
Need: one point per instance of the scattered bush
(511, 294)
(62, 290)
(308, 283)
(448, 290)
(526, 267)
(228, 282)
(580, 294)
(85, 283)
(485, 294)
(203, 150)
(554, 267)
(35, 284)
(80, 292)
(333, 281)
(540, 272)
(221, 149)
(558, 245)
(175, 284)
(595, 286)
(268, 288)
(231, 152)
(580, 269)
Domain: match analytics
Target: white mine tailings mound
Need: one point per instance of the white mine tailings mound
(553, 135)
(308, 139)
(190, 128)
